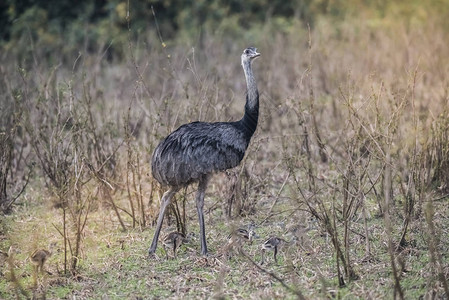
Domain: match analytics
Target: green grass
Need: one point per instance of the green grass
(115, 264)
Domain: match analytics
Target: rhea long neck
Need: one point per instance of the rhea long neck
(251, 116)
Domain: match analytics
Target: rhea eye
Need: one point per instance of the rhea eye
(246, 51)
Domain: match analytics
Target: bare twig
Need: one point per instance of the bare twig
(273, 275)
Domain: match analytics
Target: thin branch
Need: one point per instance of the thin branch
(282, 282)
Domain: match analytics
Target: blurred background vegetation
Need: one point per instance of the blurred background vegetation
(65, 26)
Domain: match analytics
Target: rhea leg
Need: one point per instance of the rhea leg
(165, 250)
(199, 207)
(168, 195)
(174, 247)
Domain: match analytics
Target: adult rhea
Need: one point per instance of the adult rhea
(194, 151)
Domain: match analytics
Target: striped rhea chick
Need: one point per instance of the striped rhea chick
(273, 244)
(40, 256)
(174, 240)
(240, 234)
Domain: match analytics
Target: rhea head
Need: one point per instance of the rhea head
(249, 54)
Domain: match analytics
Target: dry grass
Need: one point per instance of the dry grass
(371, 97)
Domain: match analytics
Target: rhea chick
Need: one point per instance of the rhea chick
(39, 257)
(174, 240)
(273, 244)
(239, 235)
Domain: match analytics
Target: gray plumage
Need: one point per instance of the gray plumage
(196, 150)
(273, 243)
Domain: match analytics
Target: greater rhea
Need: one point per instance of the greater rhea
(274, 243)
(241, 234)
(237, 238)
(194, 151)
(174, 240)
(40, 256)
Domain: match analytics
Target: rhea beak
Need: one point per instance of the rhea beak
(257, 54)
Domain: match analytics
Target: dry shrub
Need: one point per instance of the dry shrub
(361, 93)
